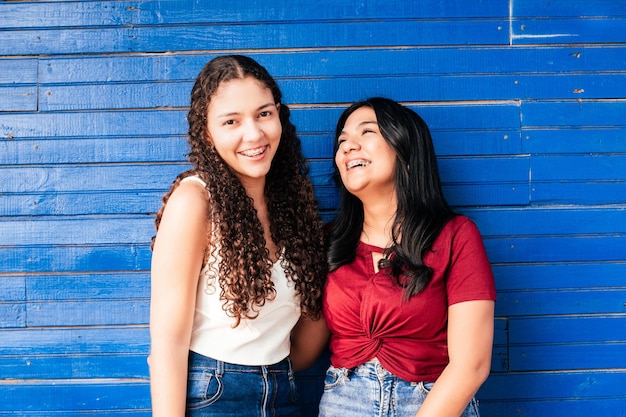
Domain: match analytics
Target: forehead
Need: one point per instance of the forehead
(241, 92)
(360, 116)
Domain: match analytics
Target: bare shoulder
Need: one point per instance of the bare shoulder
(185, 219)
(189, 200)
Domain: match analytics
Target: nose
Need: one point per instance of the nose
(348, 145)
(251, 130)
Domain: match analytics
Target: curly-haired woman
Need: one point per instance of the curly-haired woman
(238, 260)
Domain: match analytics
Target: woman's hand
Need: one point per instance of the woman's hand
(308, 340)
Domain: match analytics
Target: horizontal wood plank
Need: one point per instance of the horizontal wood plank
(576, 168)
(570, 8)
(556, 249)
(88, 313)
(549, 221)
(568, 275)
(472, 195)
(477, 170)
(62, 231)
(322, 64)
(208, 36)
(561, 140)
(553, 407)
(604, 355)
(19, 98)
(571, 329)
(113, 177)
(102, 124)
(12, 314)
(584, 301)
(476, 142)
(574, 114)
(311, 90)
(554, 386)
(12, 288)
(101, 286)
(579, 193)
(77, 258)
(51, 203)
(76, 395)
(75, 341)
(573, 30)
(145, 13)
(75, 366)
(18, 71)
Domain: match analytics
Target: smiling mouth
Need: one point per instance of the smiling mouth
(251, 153)
(357, 163)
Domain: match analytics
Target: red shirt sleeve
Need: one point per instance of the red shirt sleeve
(469, 273)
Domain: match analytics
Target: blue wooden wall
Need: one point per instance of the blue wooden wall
(527, 103)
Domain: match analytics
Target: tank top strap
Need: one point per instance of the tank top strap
(194, 178)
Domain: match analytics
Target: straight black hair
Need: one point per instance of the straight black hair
(422, 209)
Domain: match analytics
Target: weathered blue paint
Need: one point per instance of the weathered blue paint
(526, 100)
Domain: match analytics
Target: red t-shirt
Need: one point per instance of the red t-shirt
(368, 316)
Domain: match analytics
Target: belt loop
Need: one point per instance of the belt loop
(347, 373)
(290, 372)
(220, 368)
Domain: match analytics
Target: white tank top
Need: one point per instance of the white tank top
(264, 340)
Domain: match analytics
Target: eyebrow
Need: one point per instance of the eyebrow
(365, 122)
(234, 113)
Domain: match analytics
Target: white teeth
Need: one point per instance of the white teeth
(357, 163)
(253, 152)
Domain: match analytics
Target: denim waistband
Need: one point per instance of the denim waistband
(197, 360)
(374, 367)
(371, 367)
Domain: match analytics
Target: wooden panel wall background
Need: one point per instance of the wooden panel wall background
(527, 103)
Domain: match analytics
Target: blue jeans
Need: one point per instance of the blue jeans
(216, 388)
(369, 390)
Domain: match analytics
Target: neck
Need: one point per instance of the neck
(378, 217)
(255, 190)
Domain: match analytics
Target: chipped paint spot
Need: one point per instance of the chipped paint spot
(555, 35)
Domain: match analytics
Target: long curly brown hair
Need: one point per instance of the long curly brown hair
(244, 273)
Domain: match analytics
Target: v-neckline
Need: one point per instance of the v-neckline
(374, 253)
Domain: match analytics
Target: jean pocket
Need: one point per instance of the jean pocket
(334, 377)
(472, 409)
(203, 388)
(424, 387)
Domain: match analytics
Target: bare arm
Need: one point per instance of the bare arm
(470, 340)
(176, 263)
(308, 340)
